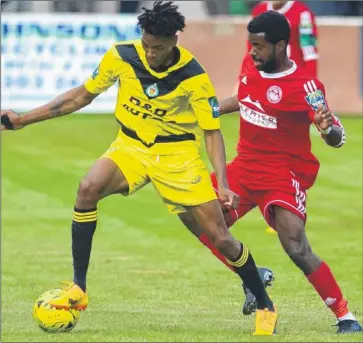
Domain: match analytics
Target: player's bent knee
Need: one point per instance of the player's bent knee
(89, 191)
(222, 241)
(227, 246)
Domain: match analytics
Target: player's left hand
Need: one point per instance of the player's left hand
(10, 120)
(228, 198)
(323, 118)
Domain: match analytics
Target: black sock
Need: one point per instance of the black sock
(83, 228)
(246, 268)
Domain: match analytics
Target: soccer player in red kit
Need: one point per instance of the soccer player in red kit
(278, 101)
(303, 36)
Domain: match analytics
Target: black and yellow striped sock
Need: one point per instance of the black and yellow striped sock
(83, 228)
(246, 268)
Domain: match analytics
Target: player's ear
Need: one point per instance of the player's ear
(281, 46)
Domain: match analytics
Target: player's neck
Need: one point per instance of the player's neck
(283, 65)
(171, 60)
(279, 6)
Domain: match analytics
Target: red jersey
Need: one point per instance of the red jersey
(276, 113)
(302, 46)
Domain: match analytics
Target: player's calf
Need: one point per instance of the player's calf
(293, 239)
(291, 231)
(299, 251)
(83, 228)
(210, 219)
(103, 179)
(265, 274)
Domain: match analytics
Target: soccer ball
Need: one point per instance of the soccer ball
(51, 319)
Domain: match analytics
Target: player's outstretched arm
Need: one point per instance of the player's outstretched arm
(229, 105)
(68, 102)
(217, 155)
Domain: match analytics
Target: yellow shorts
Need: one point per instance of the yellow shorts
(181, 180)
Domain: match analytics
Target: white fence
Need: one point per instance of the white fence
(45, 55)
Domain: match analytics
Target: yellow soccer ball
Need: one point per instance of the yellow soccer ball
(51, 319)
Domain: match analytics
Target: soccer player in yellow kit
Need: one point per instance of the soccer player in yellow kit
(164, 98)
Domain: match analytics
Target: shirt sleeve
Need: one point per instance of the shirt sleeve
(106, 74)
(204, 103)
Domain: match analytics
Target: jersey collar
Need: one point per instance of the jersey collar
(278, 75)
(283, 9)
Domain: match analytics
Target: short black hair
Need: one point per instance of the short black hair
(163, 20)
(273, 24)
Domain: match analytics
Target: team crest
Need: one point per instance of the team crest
(315, 99)
(152, 91)
(274, 94)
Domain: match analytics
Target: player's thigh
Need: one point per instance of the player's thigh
(289, 196)
(182, 181)
(131, 171)
(196, 218)
(246, 203)
(190, 223)
(104, 178)
(290, 227)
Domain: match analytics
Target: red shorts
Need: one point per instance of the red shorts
(285, 192)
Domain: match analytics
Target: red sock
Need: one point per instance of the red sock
(207, 242)
(326, 286)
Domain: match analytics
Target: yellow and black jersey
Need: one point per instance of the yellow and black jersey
(156, 105)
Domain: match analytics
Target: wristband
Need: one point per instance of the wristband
(326, 131)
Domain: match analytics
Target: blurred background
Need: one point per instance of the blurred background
(198, 9)
(67, 38)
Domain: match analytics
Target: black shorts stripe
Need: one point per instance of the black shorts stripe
(158, 139)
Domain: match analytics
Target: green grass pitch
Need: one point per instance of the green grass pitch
(149, 279)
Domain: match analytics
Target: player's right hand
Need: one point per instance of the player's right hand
(10, 120)
(323, 118)
(228, 198)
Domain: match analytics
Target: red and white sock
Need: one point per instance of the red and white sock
(325, 284)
